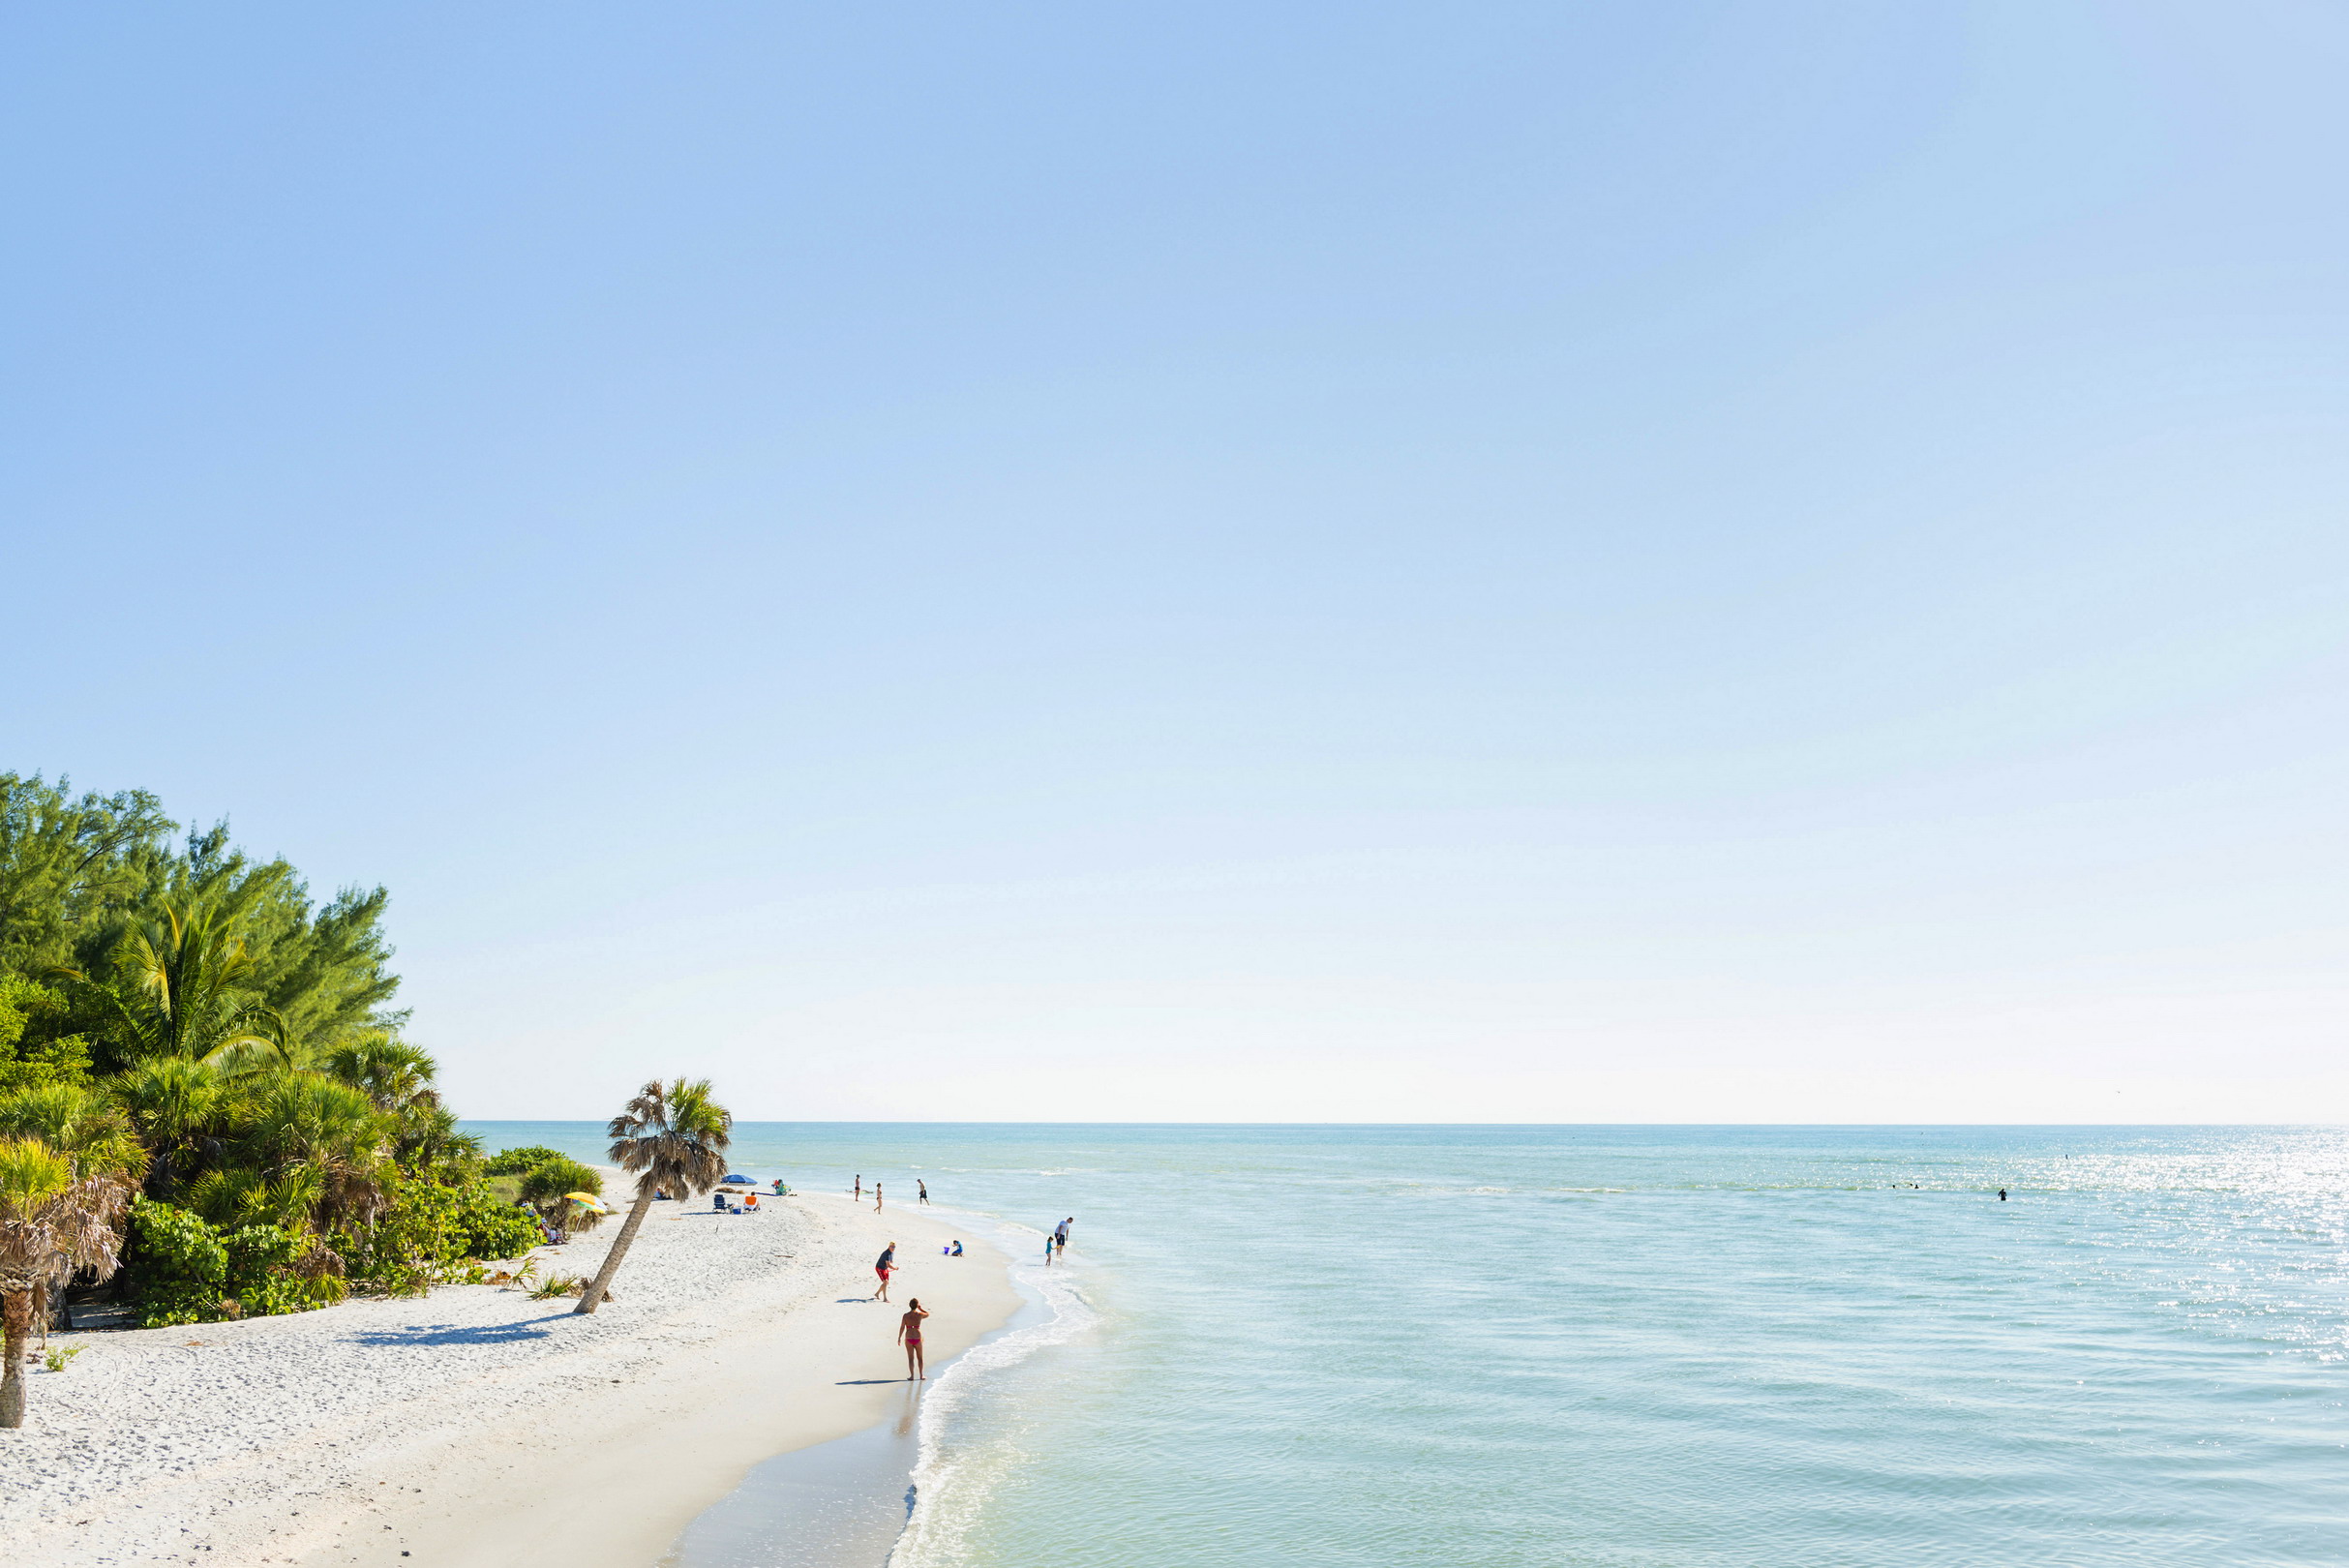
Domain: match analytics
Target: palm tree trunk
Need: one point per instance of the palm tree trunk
(594, 1292)
(15, 1323)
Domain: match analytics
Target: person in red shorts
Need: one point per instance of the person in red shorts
(888, 1263)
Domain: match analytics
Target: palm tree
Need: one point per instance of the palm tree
(55, 1222)
(398, 1078)
(673, 1138)
(177, 1105)
(394, 1075)
(306, 1124)
(548, 1189)
(187, 977)
(90, 1133)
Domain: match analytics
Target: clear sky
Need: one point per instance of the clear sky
(1553, 562)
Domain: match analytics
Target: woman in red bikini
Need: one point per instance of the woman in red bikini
(908, 1329)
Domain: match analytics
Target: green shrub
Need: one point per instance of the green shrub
(521, 1161)
(429, 1230)
(183, 1271)
(191, 1272)
(493, 1228)
(268, 1277)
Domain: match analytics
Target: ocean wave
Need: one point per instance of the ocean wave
(948, 1483)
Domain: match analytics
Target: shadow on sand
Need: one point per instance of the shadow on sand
(455, 1334)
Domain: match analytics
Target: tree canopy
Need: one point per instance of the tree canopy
(189, 1023)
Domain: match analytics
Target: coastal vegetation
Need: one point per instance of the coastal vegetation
(553, 1188)
(204, 1078)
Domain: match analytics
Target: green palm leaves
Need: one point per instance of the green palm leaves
(180, 989)
(31, 1175)
(83, 1126)
(306, 1123)
(673, 1134)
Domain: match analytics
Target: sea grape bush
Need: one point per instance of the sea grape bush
(196, 1273)
(184, 1266)
(429, 1231)
(521, 1161)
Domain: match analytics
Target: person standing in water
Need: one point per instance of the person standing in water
(887, 1262)
(1060, 1234)
(922, 1190)
(908, 1330)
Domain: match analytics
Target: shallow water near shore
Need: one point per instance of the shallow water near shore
(845, 1503)
(1632, 1345)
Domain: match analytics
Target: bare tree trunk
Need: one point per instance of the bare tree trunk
(15, 1324)
(594, 1292)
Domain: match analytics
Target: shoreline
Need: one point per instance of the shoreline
(478, 1427)
(852, 1502)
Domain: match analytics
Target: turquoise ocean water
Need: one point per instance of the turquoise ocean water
(1558, 1345)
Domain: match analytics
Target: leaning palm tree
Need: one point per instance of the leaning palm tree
(53, 1224)
(674, 1138)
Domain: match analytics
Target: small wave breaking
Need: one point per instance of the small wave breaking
(947, 1491)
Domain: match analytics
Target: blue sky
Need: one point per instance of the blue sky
(1551, 562)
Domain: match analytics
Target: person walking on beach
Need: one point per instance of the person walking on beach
(922, 1190)
(908, 1329)
(876, 1197)
(887, 1262)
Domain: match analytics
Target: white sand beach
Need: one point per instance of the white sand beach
(478, 1427)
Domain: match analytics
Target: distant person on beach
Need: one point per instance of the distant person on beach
(860, 1191)
(1060, 1232)
(2001, 1195)
(922, 1190)
(876, 1197)
(958, 1247)
(778, 1186)
(887, 1262)
(908, 1329)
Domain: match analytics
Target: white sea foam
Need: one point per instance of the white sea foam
(951, 1480)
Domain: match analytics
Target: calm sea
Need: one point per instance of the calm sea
(1558, 1345)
